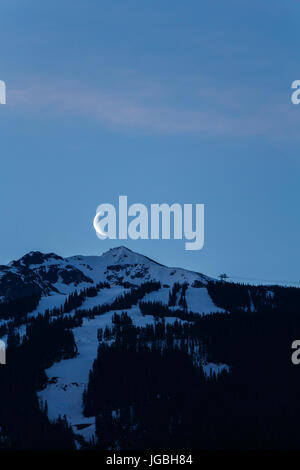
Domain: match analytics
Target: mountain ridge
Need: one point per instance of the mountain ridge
(46, 273)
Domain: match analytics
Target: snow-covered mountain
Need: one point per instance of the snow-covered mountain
(53, 278)
(49, 273)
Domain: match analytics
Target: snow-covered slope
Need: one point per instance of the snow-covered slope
(53, 278)
(120, 265)
(50, 274)
(68, 378)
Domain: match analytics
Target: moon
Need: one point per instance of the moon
(99, 232)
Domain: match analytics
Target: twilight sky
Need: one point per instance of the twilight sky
(162, 101)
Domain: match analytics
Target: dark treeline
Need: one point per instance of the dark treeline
(160, 310)
(19, 306)
(124, 301)
(137, 384)
(17, 309)
(158, 333)
(240, 297)
(132, 297)
(147, 387)
(173, 294)
(76, 299)
(23, 422)
(178, 290)
(148, 396)
(13, 323)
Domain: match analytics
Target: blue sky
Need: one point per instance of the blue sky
(168, 101)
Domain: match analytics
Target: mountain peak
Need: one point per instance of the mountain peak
(118, 266)
(119, 250)
(122, 255)
(36, 258)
